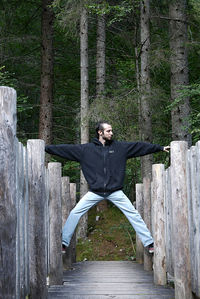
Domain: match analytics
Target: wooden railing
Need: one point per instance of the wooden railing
(174, 195)
(34, 202)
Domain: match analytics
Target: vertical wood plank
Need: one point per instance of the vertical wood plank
(73, 202)
(140, 208)
(55, 215)
(20, 263)
(8, 217)
(193, 219)
(37, 240)
(197, 203)
(168, 227)
(26, 221)
(158, 222)
(180, 241)
(66, 208)
(148, 264)
(47, 224)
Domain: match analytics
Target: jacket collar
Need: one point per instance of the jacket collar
(97, 142)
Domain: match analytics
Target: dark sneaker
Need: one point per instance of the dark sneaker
(64, 248)
(151, 248)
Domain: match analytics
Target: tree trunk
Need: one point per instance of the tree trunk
(46, 92)
(101, 56)
(145, 88)
(100, 74)
(145, 112)
(179, 69)
(82, 228)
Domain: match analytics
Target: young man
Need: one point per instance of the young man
(103, 163)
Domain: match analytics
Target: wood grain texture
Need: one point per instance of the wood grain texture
(110, 279)
(8, 196)
(180, 227)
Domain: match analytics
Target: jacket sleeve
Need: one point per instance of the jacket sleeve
(137, 149)
(68, 151)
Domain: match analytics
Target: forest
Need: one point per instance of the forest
(134, 63)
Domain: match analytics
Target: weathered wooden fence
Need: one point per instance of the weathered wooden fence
(175, 220)
(34, 200)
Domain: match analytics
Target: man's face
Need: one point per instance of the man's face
(107, 133)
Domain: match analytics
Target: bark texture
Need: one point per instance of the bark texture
(145, 87)
(179, 69)
(82, 228)
(46, 91)
(100, 74)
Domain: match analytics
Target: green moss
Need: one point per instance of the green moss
(110, 238)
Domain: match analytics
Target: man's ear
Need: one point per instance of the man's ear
(100, 132)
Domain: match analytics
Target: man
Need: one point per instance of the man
(103, 163)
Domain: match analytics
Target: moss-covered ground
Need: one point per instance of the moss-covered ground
(111, 237)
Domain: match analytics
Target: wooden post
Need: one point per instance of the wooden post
(147, 219)
(73, 202)
(168, 227)
(180, 241)
(68, 202)
(158, 223)
(197, 204)
(47, 224)
(194, 216)
(8, 218)
(66, 208)
(139, 207)
(20, 242)
(55, 214)
(37, 240)
(26, 221)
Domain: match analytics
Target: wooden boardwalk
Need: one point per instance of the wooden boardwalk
(109, 280)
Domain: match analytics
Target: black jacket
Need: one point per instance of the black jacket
(103, 166)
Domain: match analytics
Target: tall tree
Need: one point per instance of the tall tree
(179, 69)
(46, 90)
(101, 56)
(145, 87)
(101, 72)
(82, 228)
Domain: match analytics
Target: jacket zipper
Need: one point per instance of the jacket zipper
(104, 168)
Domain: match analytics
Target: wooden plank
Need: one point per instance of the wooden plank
(168, 227)
(110, 279)
(140, 208)
(26, 222)
(180, 241)
(68, 296)
(148, 262)
(8, 215)
(197, 245)
(37, 238)
(194, 212)
(55, 215)
(72, 188)
(158, 222)
(68, 203)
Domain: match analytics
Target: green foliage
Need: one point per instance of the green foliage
(110, 238)
(71, 169)
(116, 12)
(7, 79)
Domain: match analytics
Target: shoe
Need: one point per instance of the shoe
(151, 248)
(64, 248)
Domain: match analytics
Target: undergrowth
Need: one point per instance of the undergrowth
(110, 238)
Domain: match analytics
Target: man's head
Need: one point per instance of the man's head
(104, 131)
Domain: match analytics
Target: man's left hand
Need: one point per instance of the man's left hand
(166, 149)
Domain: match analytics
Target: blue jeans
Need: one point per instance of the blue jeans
(119, 199)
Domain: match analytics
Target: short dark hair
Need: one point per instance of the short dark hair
(100, 127)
